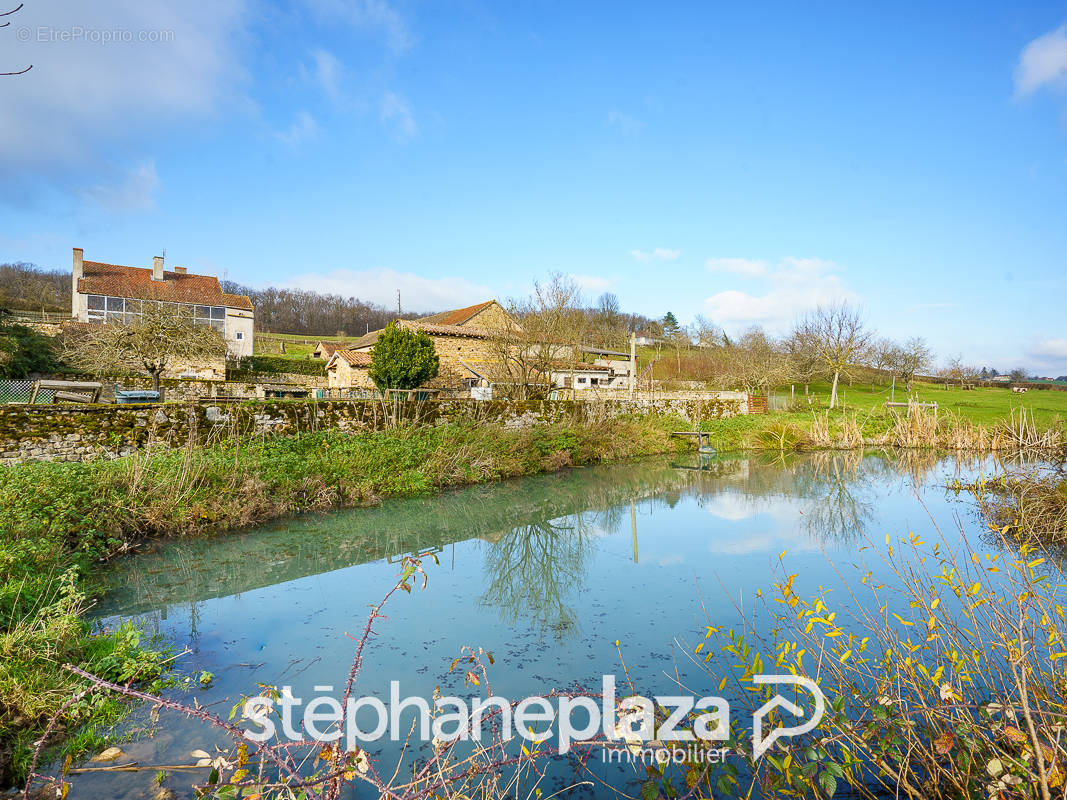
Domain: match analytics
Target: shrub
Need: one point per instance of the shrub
(402, 359)
(23, 350)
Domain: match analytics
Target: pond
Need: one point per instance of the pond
(547, 573)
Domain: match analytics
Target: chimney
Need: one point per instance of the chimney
(180, 270)
(76, 275)
(157, 268)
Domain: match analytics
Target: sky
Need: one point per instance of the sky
(743, 161)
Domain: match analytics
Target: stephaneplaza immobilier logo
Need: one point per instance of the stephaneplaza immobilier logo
(629, 720)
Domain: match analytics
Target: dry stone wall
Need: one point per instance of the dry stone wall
(81, 433)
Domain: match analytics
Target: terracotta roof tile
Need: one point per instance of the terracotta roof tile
(457, 316)
(353, 358)
(176, 287)
(368, 340)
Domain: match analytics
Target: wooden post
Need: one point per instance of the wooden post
(893, 390)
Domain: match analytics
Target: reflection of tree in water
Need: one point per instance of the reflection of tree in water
(840, 491)
(533, 569)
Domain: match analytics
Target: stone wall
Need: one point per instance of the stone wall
(82, 433)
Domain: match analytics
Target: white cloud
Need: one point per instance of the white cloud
(1049, 348)
(417, 293)
(396, 112)
(327, 73)
(86, 97)
(303, 129)
(128, 190)
(794, 286)
(628, 124)
(1043, 61)
(737, 266)
(658, 254)
(367, 14)
(591, 283)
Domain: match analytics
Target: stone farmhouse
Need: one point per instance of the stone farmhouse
(348, 369)
(470, 359)
(462, 338)
(111, 293)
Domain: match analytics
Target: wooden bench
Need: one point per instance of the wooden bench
(69, 391)
(910, 406)
(702, 437)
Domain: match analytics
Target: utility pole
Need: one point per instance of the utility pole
(633, 362)
(633, 527)
(398, 311)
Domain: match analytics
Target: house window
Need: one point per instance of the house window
(240, 335)
(101, 308)
(581, 380)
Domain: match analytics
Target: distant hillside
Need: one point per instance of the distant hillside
(313, 313)
(26, 287)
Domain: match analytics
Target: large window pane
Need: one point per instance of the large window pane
(204, 312)
(115, 304)
(218, 312)
(96, 302)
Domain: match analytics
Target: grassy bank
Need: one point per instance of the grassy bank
(846, 428)
(57, 519)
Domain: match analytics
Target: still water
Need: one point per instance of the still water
(547, 573)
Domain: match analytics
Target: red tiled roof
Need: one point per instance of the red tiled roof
(352, 357)
(458, 316)
(368, 340)
(176, 287)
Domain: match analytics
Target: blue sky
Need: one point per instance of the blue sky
(740, 161)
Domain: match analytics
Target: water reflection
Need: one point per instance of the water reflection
(536, 535)
(547, 572)
(532, 571)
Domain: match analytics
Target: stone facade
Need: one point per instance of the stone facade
(347, 369)
(83, 433)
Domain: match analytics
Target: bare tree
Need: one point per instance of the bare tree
(608, 305)
(543, 334)
(883, 357)
(705, 333)
(5, 24)
(911, 359)
(755, 362)
(834, 336)
(162, 336)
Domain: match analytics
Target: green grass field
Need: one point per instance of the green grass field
(983, 405)
(297, 345)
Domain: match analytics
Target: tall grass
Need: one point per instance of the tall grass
(916, 428)
(57, 519)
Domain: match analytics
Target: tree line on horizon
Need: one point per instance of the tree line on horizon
(558, 309)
